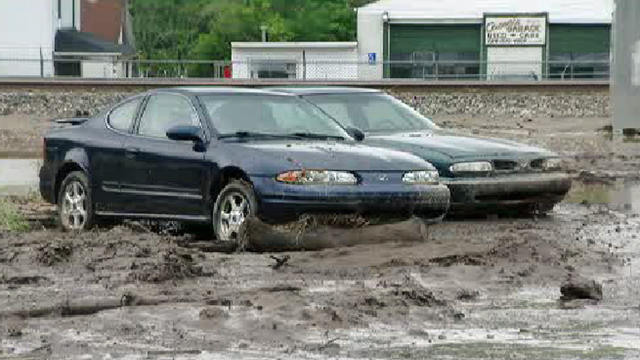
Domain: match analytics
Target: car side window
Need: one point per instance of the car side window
(164, 111)
(122, 116)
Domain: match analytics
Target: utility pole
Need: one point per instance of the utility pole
(625, 72)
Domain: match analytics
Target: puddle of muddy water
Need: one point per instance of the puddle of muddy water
(18, 176)
(621, 195)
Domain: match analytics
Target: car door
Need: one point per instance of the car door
(107, 155)
(164, 177)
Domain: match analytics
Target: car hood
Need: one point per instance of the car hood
(456, 147)
(268, 157)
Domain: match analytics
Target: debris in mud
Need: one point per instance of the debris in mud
(52, 254)
(419, 297)
(172, 264)
(280, 261)
(213, 313)
(373, 302)
(165, 228)
(89, 306)
(226, 302)
(467, 294)
(25, 280)
(13, 332)
(588, 177)
(469, 260)
(578, 288)
(282, 288)
(14, 328)
(330, 346)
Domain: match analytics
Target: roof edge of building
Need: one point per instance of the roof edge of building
(295, 44)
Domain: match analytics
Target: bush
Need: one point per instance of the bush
(10, 217)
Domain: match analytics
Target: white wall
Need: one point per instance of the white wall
(322, 63)
(102, 68)
(370, 40)
(27, 28)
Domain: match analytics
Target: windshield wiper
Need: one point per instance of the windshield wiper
(307, 135)
(250, 134)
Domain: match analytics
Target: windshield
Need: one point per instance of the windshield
(375, 112)
(268, 115)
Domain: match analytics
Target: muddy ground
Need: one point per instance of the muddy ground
(475, 288)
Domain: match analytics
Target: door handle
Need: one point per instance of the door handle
(131, 152)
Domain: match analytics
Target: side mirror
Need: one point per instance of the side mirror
(355, 133)
(185, 133)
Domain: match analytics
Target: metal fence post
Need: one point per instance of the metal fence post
(42, 64)
(304, 65)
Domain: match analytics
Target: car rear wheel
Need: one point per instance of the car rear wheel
(75, 204)
(234, 205)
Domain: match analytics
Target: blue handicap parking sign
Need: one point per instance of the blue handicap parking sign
(372, 58)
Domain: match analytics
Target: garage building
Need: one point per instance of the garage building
(485, 39)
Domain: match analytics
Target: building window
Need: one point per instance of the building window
(273, 69)
(434, 51)
(579, 51)
(67, 14)
(68, 68)
(426, 65)
(579, 66)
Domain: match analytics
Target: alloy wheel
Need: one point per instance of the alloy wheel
(74, 206)
(233, 212)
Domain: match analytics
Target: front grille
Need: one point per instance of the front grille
(536, 164)
(505, 165)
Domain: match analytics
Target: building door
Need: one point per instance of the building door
(515, 46)
(514, 63)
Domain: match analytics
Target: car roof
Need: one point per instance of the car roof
(323, 90)
(219, 90)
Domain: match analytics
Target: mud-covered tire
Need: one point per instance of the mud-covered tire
(543, 208)
(431, 220)
(234, 204)
(75, 203)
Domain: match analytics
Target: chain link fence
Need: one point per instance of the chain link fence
(328, 70)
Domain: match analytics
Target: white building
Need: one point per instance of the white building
(295, 60)
(43, 38)
(27, 35)
(491, 39)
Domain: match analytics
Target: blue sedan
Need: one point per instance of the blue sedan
(221, 155)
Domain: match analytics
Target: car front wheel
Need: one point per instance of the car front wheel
(75, 206)
(234, 205)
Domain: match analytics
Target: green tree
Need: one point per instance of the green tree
(204, 29)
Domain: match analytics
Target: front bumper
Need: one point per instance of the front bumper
(282, 202)
(505, 190)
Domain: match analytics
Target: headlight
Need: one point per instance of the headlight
(317, 177)
(466, 167)
(421, 177)
(552, 164)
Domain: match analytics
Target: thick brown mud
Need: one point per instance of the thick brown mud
(466, 288)
(473, 289)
